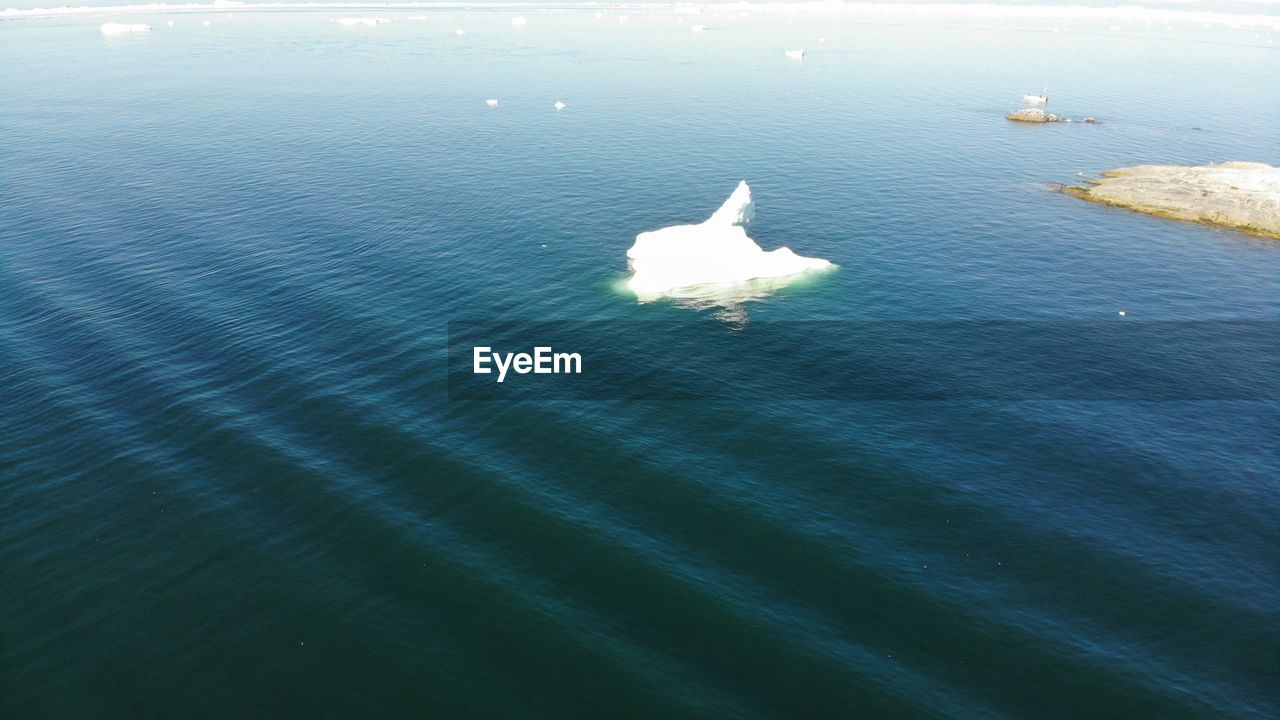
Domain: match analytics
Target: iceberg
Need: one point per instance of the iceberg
(124, 28)
(715, 252)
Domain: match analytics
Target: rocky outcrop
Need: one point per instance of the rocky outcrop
(1032, 115)
(1240, 195)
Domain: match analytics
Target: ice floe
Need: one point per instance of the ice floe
(359, 21)
(559, 105)
(519, 21)
(491, 102)
(715, 252)
(795, 54)
(124, 28)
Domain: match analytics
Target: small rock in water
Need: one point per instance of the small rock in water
(1032, 115)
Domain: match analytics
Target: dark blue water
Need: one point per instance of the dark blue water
(232, 482)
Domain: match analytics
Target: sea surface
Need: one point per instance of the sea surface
(233, 482)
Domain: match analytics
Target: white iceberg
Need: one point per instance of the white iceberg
(715, 252)
(124, 28)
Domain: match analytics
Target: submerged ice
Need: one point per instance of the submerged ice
(715, 252)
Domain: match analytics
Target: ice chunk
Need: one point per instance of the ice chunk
(559, 105)
(491, 102)
(358, 21)
(795, 54)
(698, 28)
(716, 251)
(519, 21)
(124, 28)
(459, 32)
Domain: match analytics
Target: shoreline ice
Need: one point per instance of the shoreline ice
(715, 252)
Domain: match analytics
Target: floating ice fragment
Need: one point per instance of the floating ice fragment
(124, 28)
(204, 23)
(795, 54)
(559, 105)
(459, 32)
(519, 21)
(699, 28)
(491, 102)
(624, 18)
(417, 17)
(716, 251)
(358, 21)
(170, 23)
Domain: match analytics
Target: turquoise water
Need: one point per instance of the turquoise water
(233, 482)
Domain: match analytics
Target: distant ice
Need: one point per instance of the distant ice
(795, 54)
(358, 21)
(459, 32)
(519, 21)
(715, 252)
(1063, 16)
(124, 28)
(417, 17)
(699, 28)
(491, 102)
(559, 105)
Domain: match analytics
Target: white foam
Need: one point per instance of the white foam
(715, 252)
(124, 28)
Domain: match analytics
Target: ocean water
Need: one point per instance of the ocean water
(233, 482)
